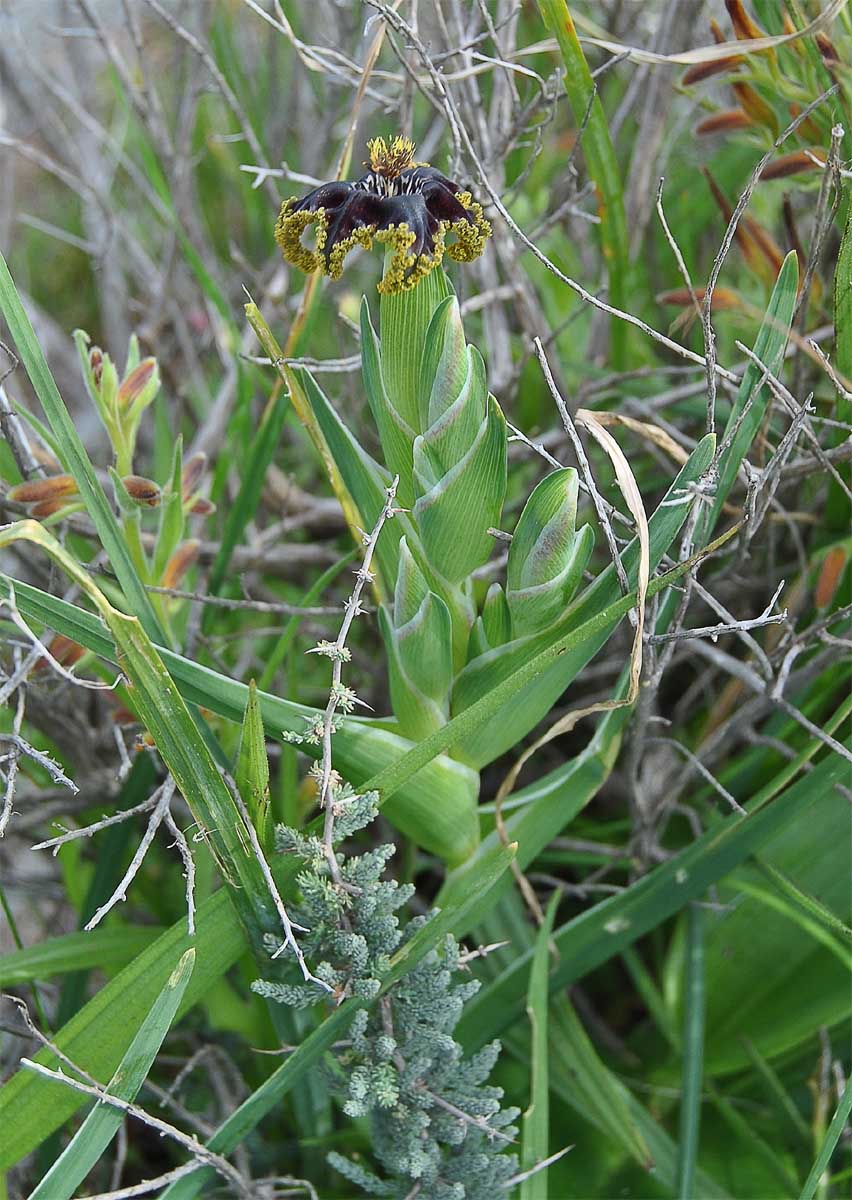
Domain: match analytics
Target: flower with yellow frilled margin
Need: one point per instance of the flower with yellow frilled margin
(405, 205)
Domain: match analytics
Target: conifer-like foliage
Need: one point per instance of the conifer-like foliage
(434, 1120)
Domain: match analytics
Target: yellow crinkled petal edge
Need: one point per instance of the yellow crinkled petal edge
(288, 234)
(405, 270)
(470, 238)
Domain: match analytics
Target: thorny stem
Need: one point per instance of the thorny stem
(337, 652)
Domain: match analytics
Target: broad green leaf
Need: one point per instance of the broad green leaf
(70, 952)
(756, 954)
(100, 1126)
(403, 321)
(97, 1036)
(163, 711)
(388, 782)
(395, 434)
(456, 918)
(365, 481)
(72, 453)
(536, 1121)
(604, 930)
(436, 806)
(468, 498)
(529, 705)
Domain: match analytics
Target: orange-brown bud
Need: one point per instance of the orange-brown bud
(793, 164)
(744, 27)
(756, 107)
(37, 490)
(680, 297)
(180, 562)
(827, 49)
(135, 383)
(193, 470)
(96, 362)
(722, 122)
(765, 243)
(47, 508)
(66, 652)
(143, 490)
(833, 566)
(705, 70)
(203, 507)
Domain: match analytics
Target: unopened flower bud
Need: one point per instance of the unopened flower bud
(140, 385)
(180, 562)
(35, 491)
(47, 508)
(96, 362)
(193, 470)
(142, 490)
(793, 164)
(722, 122)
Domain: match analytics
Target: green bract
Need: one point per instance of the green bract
(444, 435)
(547, 556)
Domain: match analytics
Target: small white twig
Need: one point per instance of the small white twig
(290, 927)
(338, 653)
(96, 685)
(164, 799)
(72, 835)
(199, 1151)
(188, 869)
(714, 632)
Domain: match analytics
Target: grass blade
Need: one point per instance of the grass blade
(97, 1131)
(832, 1137)
(600, 158)
(240, 513)
(693, 1054)
(536, 1124)
(102, 948)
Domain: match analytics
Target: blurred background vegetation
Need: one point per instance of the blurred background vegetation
(145, 147)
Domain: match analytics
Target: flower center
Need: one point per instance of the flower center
(389, 161)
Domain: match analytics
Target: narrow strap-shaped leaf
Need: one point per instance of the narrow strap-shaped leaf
(832, 1137)
(693, 1054)
(100, 1126)
(536, 1126)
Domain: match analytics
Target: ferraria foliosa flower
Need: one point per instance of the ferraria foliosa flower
(407, 206)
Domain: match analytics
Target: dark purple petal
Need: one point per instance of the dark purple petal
(359, 209)
(327, 196)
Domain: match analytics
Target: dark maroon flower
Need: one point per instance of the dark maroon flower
(408, 206)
